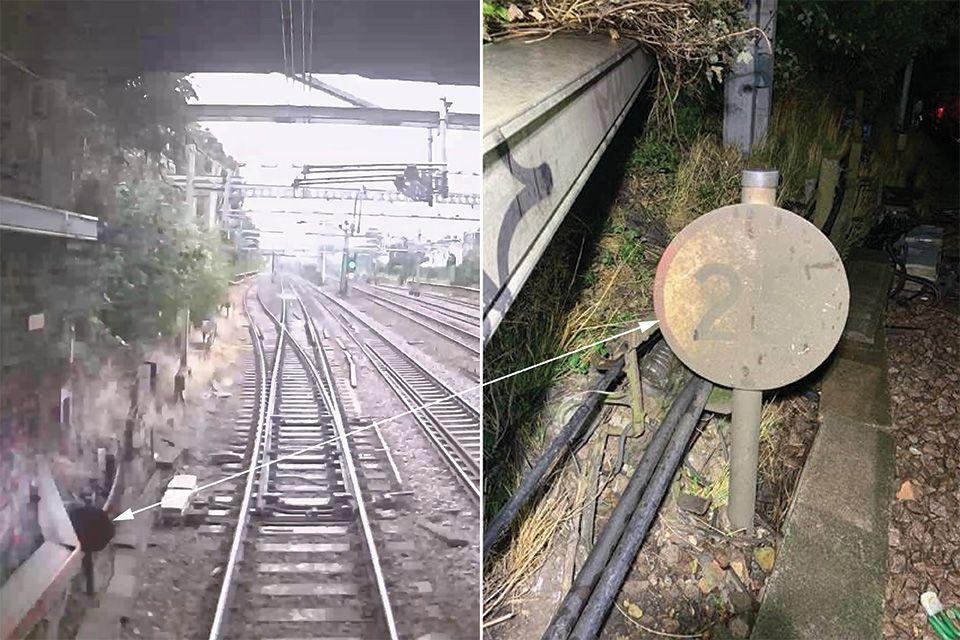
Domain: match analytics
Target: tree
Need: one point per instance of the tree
(856, 45)
(154, 263)
(146, 112)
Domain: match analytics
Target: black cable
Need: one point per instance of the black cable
(557, 447)
(586, 579)
(601, 599)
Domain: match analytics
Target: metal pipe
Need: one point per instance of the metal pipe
(573, 603)
(744, 448)
(759, 187)
(557, 447)
(610, 582)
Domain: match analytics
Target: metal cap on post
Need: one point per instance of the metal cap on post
(751, 297)
(759, 186)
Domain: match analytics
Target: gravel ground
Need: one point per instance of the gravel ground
(438, 591)
(459, 361)
(689, 579)
(924, 367)
(181, 567)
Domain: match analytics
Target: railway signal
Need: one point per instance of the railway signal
(751, 297)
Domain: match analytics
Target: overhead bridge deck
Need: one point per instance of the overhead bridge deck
(550, 109)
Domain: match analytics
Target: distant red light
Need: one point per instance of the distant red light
(940, 111)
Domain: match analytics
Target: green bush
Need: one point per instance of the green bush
(154, 262)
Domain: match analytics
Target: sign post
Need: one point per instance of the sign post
(751, 297)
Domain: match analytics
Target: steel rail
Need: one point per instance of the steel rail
(452, 299)
(455, 287)
(445, 442)
(462, 315)
(336, 409)
(400, 310)
(313, 338)
(265, 410)
(470, 477)
(439, 296)
(467, 333)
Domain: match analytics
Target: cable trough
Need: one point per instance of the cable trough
(304, 558)
(452, 425)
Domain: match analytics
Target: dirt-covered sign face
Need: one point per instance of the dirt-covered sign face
(751, 296)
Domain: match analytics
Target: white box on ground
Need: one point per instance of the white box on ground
(176, 498)
(183, 481)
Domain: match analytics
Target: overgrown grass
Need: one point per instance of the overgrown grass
(597, 275)
(507, 579)
(803, 130)
(718, 490)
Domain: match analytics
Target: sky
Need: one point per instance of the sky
(269, 151)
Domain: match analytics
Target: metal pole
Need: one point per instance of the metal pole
(905, 96)
(211, 210)
(358, 208)
(189, 210)
(185, 344)
(759, 186)
(442, 138)
(226, 193)
(744, 448)
(343, 260)
(430, 146)
(190, 215)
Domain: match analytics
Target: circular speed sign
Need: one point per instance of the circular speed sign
(751, 296)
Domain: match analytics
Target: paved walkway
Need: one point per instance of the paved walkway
(129, 544)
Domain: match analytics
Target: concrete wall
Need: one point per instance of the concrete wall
(34, 370)
(52, 150)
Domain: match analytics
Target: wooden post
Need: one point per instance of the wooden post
(826, 191)
(852, 179)
(748, 90)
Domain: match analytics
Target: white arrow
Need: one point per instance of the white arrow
(126, 515)
(645, 326)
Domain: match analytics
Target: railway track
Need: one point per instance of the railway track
(304, 560)
(451, 424)
(451, 307)
(457, 331)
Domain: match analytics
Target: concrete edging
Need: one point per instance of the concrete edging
(830, 577)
